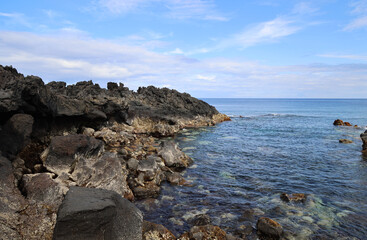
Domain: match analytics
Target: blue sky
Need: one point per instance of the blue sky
(208, 48)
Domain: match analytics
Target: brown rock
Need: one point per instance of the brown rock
(338, 122)
(294, 197)
(345, 141)
(347, 124)
(204, 232)
(269, 228)
(152, 231)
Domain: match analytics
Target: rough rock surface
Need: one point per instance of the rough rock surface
(97, 214)
(152, 231)
(267, 227)
(173, 157)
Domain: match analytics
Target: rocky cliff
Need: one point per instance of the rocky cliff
(56, 136)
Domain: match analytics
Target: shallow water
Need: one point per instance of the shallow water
(276, 146)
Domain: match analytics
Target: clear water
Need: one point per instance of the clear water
(279, 145)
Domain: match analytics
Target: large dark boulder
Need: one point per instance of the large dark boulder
(97, 214)
(16, 133)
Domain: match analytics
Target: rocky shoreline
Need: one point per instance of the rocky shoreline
(56, 137)
(74, 158)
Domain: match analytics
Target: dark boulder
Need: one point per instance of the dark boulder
(97, 214)
(338, 122)
(16, 133)
(201, 220)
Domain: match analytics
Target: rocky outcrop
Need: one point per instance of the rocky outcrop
(97, 214)
(54, 137)
(339, 122)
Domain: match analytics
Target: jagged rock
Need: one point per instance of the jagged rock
(152, 231)
(145, 190)
(16, 133)
(294, 197)
(364, 140)
(204, 232)
(149, 169)
(88, 213)
(269, 228)
(11, 202)
(345, 141)
(173, 157)
(64, 151)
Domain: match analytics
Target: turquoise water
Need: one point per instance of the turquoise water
(278, 145)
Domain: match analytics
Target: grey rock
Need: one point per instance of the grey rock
(173, 157)
(97, 214)
(63, 152)
(132, 164)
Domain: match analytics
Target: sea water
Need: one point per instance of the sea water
(273, 146)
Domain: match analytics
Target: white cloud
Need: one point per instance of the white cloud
(262, 32)
(304, 8)
(73, 58)
(178, 9)
(360, 10)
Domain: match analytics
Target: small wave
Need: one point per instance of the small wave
(268, 115)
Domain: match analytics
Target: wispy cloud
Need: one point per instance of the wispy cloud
(177, 9)
(73, 57)
(345, 56)
(264, 32)
(359, 9)
(16, 18)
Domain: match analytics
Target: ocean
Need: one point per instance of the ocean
(273, 146)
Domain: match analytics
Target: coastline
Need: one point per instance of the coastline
(56, 137)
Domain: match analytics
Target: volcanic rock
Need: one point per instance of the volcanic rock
(364, 140)
(294, 197)
(204, 232)
(97, 214)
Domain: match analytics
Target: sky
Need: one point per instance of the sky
(207, 48)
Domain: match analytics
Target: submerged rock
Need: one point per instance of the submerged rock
(201, 220)
(204, 232)
(269, 228)
(97, 214)
(294, 197)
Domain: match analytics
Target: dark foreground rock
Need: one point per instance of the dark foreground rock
(97, 214)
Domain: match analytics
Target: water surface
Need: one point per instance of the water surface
(277, 145)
